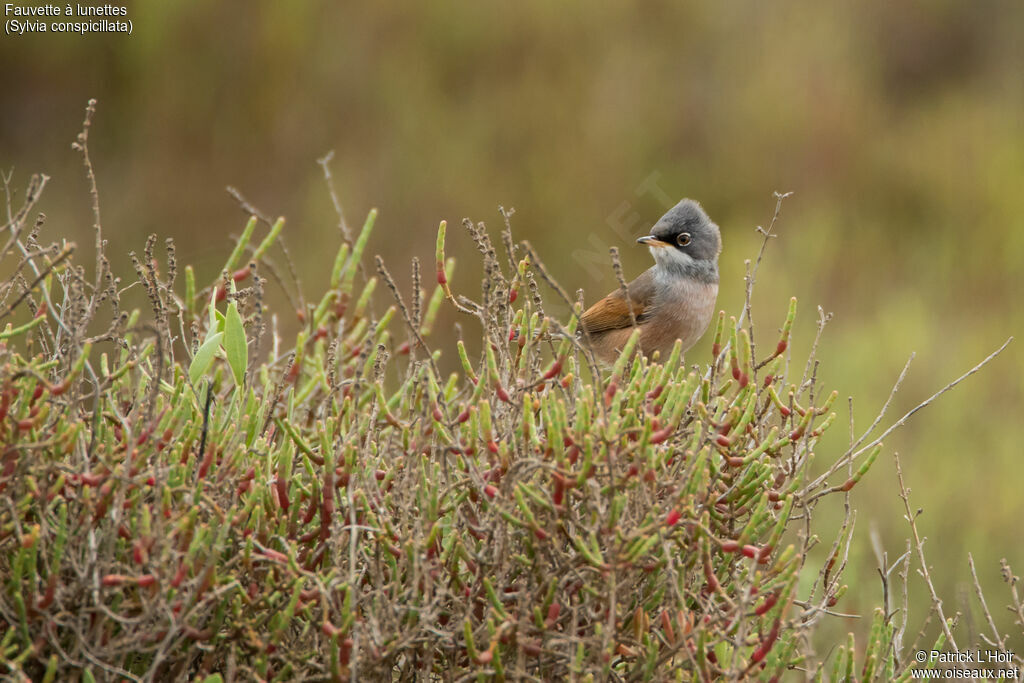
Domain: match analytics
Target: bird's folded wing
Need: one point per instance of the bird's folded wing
(612, 312)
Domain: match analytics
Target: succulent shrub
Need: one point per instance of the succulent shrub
(185, 494)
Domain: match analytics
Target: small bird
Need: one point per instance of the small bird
(672, 300)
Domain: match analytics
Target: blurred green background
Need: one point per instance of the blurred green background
(898, 126)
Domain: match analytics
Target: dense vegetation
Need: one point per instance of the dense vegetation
(187, 494)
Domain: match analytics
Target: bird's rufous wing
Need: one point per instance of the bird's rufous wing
(612, 312)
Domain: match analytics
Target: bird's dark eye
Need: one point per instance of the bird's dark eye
(683, 239)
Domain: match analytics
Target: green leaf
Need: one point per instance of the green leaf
(213, 307)
(210, 333)
(213, 678)
(204, 357)
(235, 345)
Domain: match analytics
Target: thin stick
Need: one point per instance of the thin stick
(984, 606)
(552, 283)
(779, 197)
(823, 320)
(897, 638)
(506, 237)
(324, 162)
(247, 206)
(68, 250)
(752, 275)
(623, 287)
(586, 348)
(919, 545)
(851, 454)
(390, 282)
(417, 294)
(1011, 579)
(885, 406)
(749, 278)
(82, 145)
(17, 222)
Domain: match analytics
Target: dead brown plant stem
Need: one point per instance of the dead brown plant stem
(63, 256)
(851, 454)
(911, 518)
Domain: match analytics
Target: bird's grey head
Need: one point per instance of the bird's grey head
(685, 239)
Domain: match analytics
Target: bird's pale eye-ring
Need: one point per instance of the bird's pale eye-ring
(683, 238)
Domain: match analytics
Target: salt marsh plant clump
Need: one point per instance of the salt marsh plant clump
(188, 495)
(299, 514)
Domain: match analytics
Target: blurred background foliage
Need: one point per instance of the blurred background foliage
(898, 126)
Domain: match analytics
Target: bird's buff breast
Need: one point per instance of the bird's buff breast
(683, 312)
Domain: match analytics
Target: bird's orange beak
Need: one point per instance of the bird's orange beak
(652, 241)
